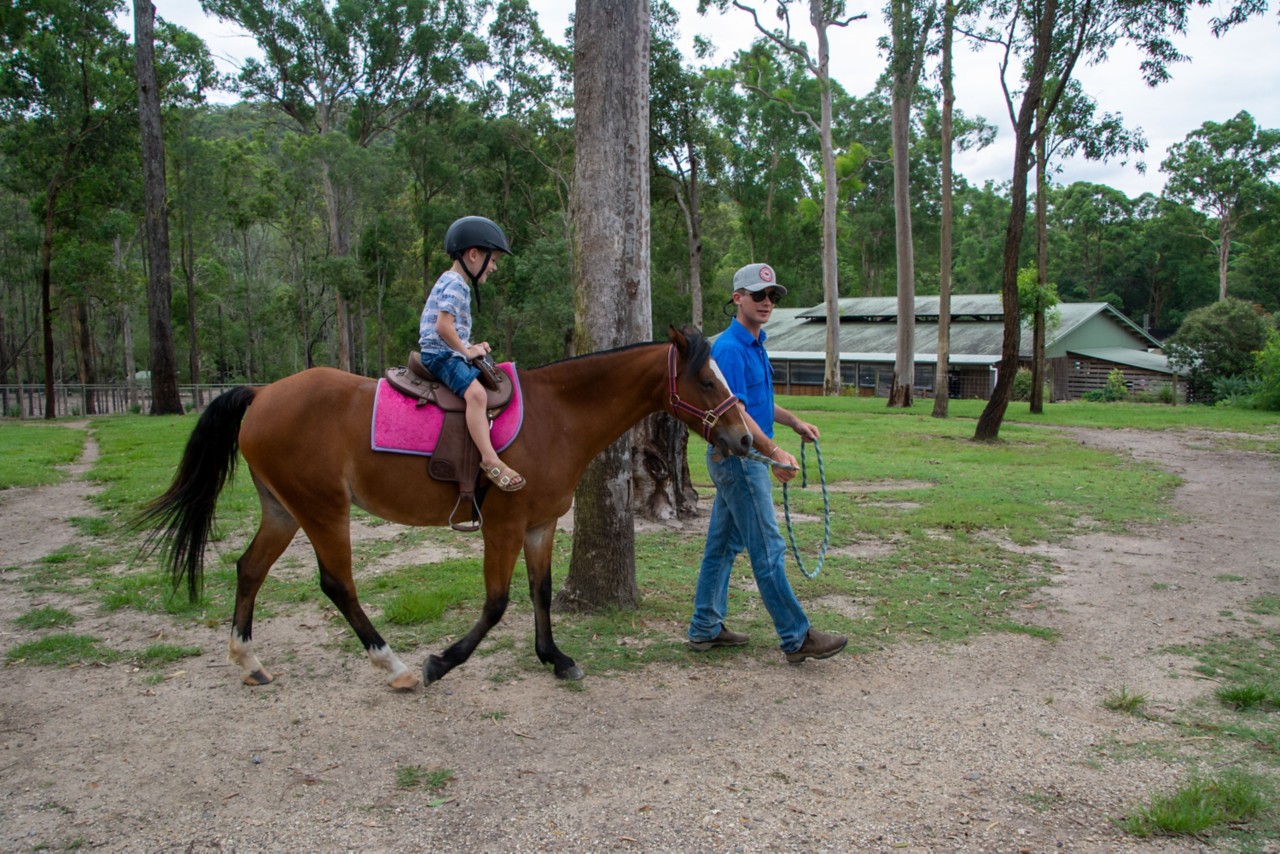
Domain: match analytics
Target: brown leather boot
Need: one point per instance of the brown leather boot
(725, 638)
(817, 645)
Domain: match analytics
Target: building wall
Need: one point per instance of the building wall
(1075, 375)
(874, 379)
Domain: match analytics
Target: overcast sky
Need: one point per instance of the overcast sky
(1241, 71)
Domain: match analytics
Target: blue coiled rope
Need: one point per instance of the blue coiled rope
(786, 505)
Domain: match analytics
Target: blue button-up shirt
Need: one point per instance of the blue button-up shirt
(746, 368)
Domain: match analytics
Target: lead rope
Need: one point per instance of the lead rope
(826, 513)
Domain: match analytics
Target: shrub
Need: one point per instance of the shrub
(1219, 340)
(1234, 391)
(1116, 388)
(1021, 385)
(1267, 363)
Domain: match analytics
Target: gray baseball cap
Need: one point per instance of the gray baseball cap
(756, 277)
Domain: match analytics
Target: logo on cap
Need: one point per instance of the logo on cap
(766, 273)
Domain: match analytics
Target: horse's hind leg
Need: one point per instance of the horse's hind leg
(275, 532)
(332, 543)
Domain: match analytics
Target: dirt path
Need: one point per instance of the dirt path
(997, 745)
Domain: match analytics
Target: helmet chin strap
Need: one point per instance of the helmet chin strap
(475, 279)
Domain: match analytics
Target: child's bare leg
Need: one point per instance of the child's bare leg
(478, 426)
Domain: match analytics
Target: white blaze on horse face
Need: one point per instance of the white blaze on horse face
(715, 369)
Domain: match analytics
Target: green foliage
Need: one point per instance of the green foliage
(1267, 366)
(1022, 384)
(1116, 388)
(1234, 391)
(1219, 340)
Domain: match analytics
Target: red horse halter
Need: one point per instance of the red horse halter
(707, 418)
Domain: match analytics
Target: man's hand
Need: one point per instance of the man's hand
(784, 474)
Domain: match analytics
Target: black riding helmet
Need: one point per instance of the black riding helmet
(477, 231)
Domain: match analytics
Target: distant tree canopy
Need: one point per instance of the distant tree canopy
(259, 253)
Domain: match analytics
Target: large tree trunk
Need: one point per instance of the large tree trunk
(187, 255)
(904, 365)
(1224, 256)
(942, 370)
(611, 250)
(165, 398)
(830, 271)
(988, 428)
(1042, 277)
(86, 366)
(46, 298)
(340, 245)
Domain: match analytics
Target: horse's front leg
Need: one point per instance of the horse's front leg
(501, 547)
(537, 557)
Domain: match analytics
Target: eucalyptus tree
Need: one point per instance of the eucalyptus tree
(679, 136)
(1227, 171)
(942, 353)
(822, 15)
(66, 99)
(347, 71)
(755, 155)
(611, 241)
(1164, 272)
(1042, 42)
(910, 24)
(163, 361)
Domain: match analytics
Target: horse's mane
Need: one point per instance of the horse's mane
(699, 350)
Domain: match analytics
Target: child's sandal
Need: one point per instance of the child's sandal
(504, 477)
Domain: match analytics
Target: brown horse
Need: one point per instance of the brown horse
(306, 441)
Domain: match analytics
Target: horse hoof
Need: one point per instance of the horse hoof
(258, 677)
(434, 669)
(406, 681)
(572, 673)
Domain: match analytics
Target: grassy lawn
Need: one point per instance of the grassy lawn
(925, 532)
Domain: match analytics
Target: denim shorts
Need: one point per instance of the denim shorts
(451, 369)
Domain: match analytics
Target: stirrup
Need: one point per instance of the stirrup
(466, 527)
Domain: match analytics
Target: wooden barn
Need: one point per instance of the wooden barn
(1088, 342)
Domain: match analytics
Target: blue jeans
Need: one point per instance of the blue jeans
(743, 517)
(451, 369)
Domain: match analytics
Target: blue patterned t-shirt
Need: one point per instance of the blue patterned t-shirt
(450, 293)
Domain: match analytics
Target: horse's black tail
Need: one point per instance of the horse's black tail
(182, 519)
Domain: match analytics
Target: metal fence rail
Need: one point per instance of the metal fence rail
(76, 400)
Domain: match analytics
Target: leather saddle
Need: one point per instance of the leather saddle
(456, 458)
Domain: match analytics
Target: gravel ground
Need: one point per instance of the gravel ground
(1001, 744)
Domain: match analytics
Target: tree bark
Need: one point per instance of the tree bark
(830, 269)
(988, 428)
(165, 398)
(904, 366)
(942, 368)
(611, 240)
(46, 298)
(1042, 277)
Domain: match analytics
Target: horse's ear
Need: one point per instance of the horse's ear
(678, 337)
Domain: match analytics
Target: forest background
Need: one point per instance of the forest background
(288, 206)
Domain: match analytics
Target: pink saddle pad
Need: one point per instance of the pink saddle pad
(402, 427)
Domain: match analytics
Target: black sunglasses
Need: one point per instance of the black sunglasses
(759, 296)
